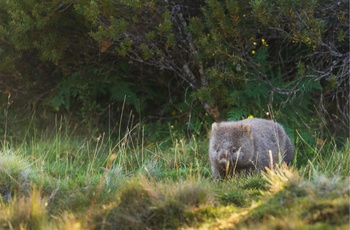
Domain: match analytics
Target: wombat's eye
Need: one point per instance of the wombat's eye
(216, 148)
(233, 149)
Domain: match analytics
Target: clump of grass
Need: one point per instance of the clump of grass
(237, 196)
(24, 213)
(240, 190)
(146, 204)
(67, 221)
(319, 201)
(15, 173)
(31, 213)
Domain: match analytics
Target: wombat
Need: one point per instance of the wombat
(247, 146)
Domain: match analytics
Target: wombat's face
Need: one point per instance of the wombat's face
(231, 145)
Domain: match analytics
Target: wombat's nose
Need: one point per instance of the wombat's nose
(223, 158)
(223, 161)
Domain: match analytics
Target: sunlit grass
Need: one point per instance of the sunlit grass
(62, 181)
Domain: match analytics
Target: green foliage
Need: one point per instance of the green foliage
(255, 61)
(25, 22)
(86, 87)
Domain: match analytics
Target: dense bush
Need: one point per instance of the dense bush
(179, 60)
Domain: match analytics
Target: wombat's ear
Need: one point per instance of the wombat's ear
(214, 126)
(246, 129)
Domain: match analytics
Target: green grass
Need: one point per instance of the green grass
(58, 180)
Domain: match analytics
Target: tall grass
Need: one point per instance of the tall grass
(330, 161)
(58, 180)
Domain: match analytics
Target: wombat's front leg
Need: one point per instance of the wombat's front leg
(218, 172)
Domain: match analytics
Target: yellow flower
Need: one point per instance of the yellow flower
(264, 42)
(253, 51)
(250, 116)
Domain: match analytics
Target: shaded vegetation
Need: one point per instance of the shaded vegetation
(180, 62)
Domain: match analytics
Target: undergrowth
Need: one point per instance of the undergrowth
(61, 181)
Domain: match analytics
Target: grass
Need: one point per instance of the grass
(58, 180)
